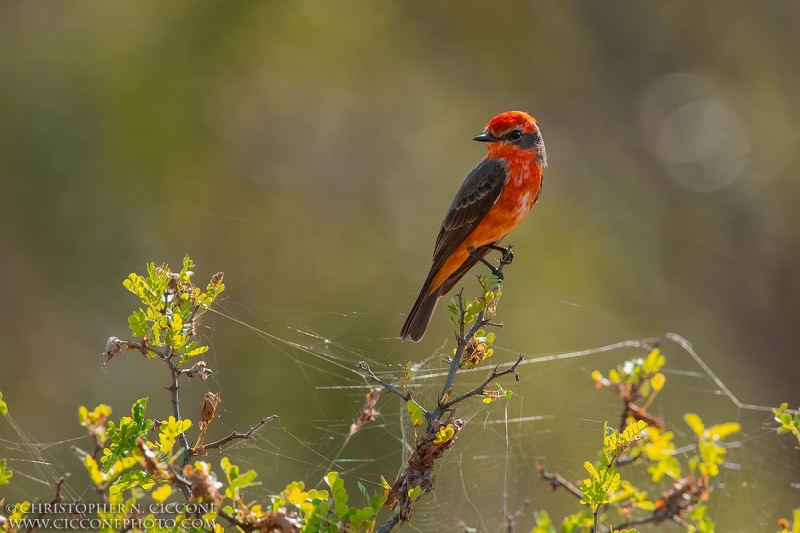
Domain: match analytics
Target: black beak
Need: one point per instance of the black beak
(485, 138)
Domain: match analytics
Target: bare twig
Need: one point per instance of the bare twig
(511, 518)
(57, 497)
(556, 481)
(683, 523)
(236, 435)
(480, 388)
(143, 347)
(405, 396)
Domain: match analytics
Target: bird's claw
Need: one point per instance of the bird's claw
(506, 259)
(508, 255)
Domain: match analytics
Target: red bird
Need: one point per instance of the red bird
(493, 199)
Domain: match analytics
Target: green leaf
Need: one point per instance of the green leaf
(138, 409)
(363, 492)
(543, 523)
(169, 431)
(130, 479)
(3, 406)
(123, 435)
(5, 474)
(574, 523)
(415, 412)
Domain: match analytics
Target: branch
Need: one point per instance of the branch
(144, 348)
(463, 341)
(557, 481)
(480, 388)
(57, 497)
(236, 435)
(655, 517)
(405, 396)
(389, 524)
(235, 521)
(511, 518)
(175, 373)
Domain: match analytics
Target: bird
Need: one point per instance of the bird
(493, 199)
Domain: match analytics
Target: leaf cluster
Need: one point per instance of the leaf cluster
(788, 423)
(603, 483)
(463, 313)
(172, 304)
(635, 379)
(711, 452)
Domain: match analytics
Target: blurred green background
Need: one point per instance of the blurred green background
(310, 149)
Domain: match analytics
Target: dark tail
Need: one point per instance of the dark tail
(420, 315)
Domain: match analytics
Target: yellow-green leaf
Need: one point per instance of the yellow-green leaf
(695, 423)
(415, 412)
(162, 493)
(657, 381)
(721, 431)
(444, 435)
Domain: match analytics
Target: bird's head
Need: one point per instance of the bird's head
(513, 132)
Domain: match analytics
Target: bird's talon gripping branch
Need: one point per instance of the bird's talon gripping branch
(508, 253)
(495, 271)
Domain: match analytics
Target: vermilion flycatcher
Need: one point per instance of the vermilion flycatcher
(493, 199)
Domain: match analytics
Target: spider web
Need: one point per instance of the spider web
(554, 418)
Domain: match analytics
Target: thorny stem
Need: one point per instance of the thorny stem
(57, 497)
(176, 408)
(176, 412)
(463, 340)
(175, 373)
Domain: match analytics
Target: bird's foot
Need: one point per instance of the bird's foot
(495, 271)
(508, 253)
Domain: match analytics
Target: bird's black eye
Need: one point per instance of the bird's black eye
(515, 135)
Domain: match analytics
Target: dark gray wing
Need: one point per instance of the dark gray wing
(474, 199)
